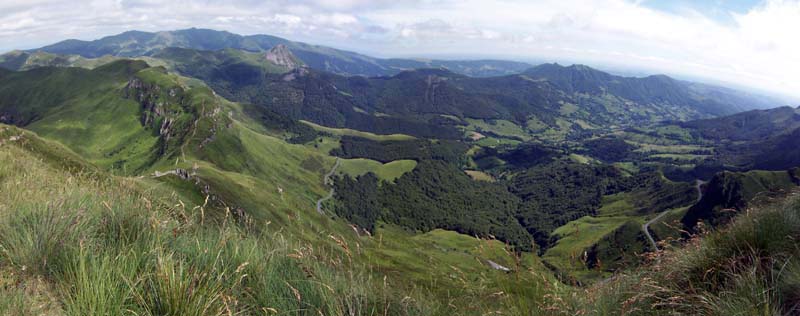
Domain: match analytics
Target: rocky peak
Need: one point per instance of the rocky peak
(282, 56)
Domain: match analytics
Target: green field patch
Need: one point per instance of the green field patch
(671, 149)
(498, 127)
(451, 117)
(324, 144)
(479, 175)
(616, 205)
(492, 142)
(388, 171)
(583, 124)
(534, 124)
(628, 167)
(681, 157)
(575, 238)
(455, 262)
(352, 132)
(580, 158)
(568, 108)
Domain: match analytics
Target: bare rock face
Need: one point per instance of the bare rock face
(282, 56)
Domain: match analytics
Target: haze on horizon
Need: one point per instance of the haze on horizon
(748, 43)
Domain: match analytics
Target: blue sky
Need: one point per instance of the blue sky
(746, 43)
(720, 10)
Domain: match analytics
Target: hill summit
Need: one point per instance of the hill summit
(282, 56)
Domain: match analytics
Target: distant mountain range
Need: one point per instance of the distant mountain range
(524, 154)
(433, 98)
(656, 89)
(137, 43)
(569, 101)
(288, 178)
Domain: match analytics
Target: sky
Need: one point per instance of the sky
(747, 43)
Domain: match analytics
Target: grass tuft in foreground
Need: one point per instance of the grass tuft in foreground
(91, 244)
(748, 268)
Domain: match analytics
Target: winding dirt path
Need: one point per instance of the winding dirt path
(327, 181)
(646, 227)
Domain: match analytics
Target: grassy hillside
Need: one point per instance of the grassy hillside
(388, 171)
(83, 109)
(164, 187)
(86, 243)
(19, 60)
(569, 256)
(82, 242)
(137, 244)
(355, 133)
(233, 195)
(747, 268)
(731, 192)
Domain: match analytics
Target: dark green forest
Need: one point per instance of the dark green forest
(388, 151)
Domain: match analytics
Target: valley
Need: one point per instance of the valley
(266, 176)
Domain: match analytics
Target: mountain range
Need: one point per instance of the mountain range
(137, 43)
(202, 172)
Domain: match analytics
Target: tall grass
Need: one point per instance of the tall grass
(751, 267)
(95, 284)
(91, 244)
(104, 247)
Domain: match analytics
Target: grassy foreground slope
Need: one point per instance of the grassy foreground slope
(750, 267)
(82, 242)
(233, 219)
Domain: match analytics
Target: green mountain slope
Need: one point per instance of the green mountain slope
(155, 186)
(84, 109)
(77, 241)
(683, 98)
(438, 103)
(730, 192)
(758, 139)
(218, 179)
(747, 268)
(756, 125)
(20, 60)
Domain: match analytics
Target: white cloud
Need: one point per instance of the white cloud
(757, 48)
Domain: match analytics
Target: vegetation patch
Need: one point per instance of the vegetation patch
(570, 254)
(355, 133)
(387, 172)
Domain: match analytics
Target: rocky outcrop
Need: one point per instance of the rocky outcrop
(148, 97)
(162, 110)
(281, 55)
